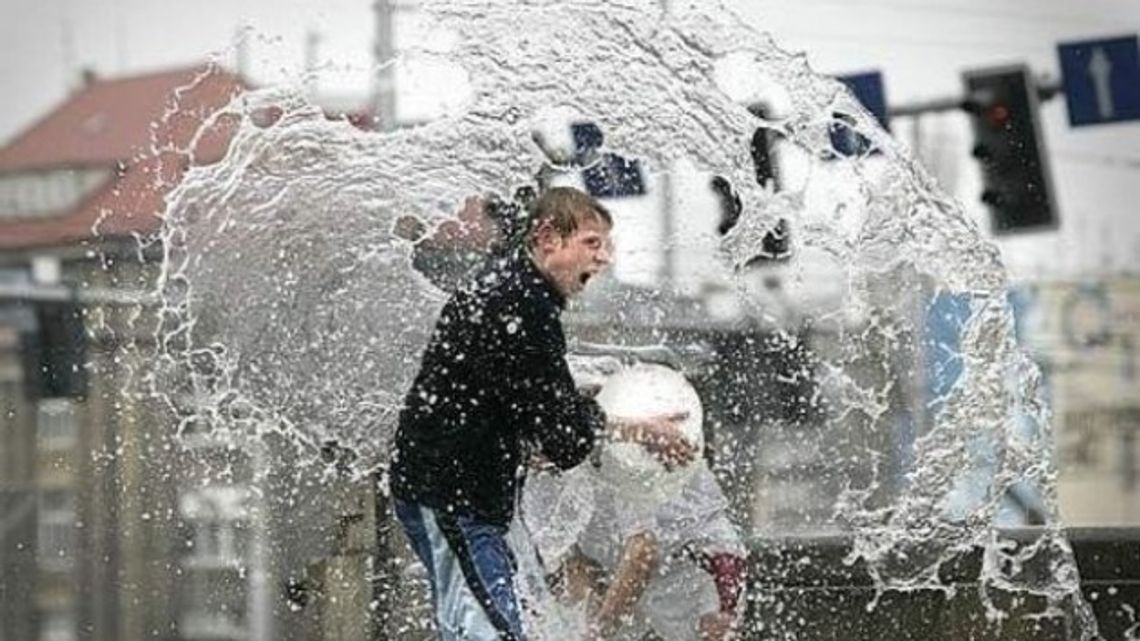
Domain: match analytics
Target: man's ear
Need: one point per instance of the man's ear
(546, 237)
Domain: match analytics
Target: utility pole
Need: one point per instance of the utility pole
(312, 56)
(67, 53)
(120, 38)
(384, 87)
(241, 51)
(665, 180)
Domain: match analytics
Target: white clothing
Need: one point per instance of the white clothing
(558, 513)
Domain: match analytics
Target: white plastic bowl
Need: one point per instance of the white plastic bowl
(643, 391)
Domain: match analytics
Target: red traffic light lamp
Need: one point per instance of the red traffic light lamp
(1003, 104)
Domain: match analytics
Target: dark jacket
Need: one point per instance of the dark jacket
(493, 384)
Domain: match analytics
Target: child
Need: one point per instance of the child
(677, 567)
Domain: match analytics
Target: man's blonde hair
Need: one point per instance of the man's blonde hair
(564, 208)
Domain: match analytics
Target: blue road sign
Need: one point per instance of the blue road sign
(868, 90)
(1102, 80)
(614, 177)
(611, 176)
(588, 138)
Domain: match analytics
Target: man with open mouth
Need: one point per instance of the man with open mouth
(494, 387)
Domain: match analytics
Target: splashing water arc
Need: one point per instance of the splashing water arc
(291, 308)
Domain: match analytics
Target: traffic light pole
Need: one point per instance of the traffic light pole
(1045, 92)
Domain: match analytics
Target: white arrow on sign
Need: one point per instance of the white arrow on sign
(1100, 69)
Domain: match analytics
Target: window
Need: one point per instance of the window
(56, 424)
(57, 625)
(209, 625)
(219, 531)
(43, 193)
(55, 540)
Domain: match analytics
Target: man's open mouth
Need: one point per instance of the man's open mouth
(584, 276)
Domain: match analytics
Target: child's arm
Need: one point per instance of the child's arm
(639, 559)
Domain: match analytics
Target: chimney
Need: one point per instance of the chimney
(88, 77)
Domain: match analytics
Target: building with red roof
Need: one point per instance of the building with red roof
(76, 188)
(100, 164)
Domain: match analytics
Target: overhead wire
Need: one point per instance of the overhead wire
(1028, 43)
(919, 42)
(1066, 19)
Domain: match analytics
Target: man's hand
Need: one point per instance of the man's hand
(661, 436)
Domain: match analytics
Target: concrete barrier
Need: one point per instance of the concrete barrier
(802, 588)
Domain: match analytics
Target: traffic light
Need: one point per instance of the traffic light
(1003, 104)
(610, 176)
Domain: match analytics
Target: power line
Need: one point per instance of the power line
(1121, 161)
(895, 40)
(1020, 16)
(1003, 44)
(1096, 158)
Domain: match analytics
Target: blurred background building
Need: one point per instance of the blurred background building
(106, 533)
(1083, 334)
(89, 550)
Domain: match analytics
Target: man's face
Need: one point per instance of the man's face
(572, 261)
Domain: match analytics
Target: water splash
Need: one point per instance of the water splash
(291, 309)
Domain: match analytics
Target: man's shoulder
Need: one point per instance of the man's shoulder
(503, 282)
(493, 278)
(487, 292)
(504, 296)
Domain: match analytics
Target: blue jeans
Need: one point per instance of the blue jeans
(471, 570)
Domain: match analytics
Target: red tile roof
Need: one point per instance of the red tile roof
(119, 123)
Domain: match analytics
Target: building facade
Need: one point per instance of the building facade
(92, 543)
(1084, 335)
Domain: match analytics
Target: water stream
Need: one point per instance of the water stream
(292, 313)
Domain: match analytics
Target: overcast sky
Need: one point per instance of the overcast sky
(921, 46)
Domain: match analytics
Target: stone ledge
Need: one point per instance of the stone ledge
(801, 588)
